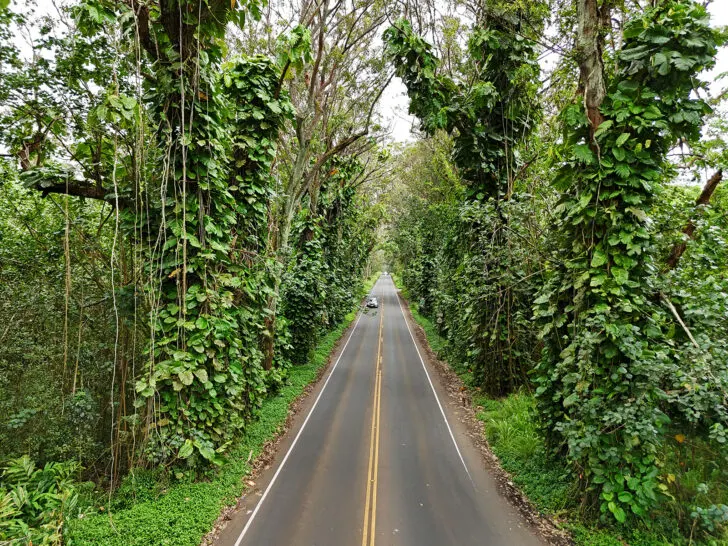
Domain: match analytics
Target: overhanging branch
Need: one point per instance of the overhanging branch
(689, 230)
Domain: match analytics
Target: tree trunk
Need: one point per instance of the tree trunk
(589, 40)
(703, 199)
(279, 249)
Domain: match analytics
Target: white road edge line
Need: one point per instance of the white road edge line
(295, 440)
(442, 411)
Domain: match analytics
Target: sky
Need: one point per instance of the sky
(394, 102)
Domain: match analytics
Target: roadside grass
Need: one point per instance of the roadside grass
(511, 429)
(150, 509)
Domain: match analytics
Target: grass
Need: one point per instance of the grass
(154, 511)
(512, 432)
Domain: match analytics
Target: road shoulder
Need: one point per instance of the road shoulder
(461, 413)
(233, 518)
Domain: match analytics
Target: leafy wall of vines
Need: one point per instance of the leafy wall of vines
(206, 377)
(334, 236)
(604, 373)
(490, 115)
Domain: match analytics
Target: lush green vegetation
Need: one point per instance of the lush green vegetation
(150, 508)
(181, 228)
(512, 431)
(560, 259)
(192, 192)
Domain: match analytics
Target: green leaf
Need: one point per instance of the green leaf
(603, 128)
(599, 258)
(206, 451)
(620, 275)
(623, 170)
(583, 153)
(624, 137)
(635, 53)
(186, 449)
(639, 213)
(186, 377)
(201, 375)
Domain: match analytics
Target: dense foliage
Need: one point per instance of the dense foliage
(490, 110)
(37, 501)
(189, 200)
(626, 353)
(604, 378)
(140, 253)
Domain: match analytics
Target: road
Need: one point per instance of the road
(377, 457)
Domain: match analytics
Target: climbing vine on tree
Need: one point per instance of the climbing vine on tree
(490, 114)
(196, 205)
(334, 237)
(602, 379)
(206, 370)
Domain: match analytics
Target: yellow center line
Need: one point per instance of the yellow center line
(376, 457)
(370, 505)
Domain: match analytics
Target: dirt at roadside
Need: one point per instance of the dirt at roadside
(460, 394)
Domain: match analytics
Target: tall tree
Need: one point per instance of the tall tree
(600, 381)
(491, 109)
(335, 92)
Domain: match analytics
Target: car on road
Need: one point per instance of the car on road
(372, 302)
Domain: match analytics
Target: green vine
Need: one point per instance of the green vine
(600, 381)
(335, 238)
(490, 114)
(206, 377)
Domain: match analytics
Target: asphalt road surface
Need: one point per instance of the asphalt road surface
(377, 457)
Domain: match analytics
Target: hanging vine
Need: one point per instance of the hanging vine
(206, 377)
(601, 379)
(490, 115)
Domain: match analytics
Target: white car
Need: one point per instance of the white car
(372, 302)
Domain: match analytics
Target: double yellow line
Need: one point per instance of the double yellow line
(370, 506)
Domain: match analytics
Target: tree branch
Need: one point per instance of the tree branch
(703, 199)
(83, 189)
(141, 13)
